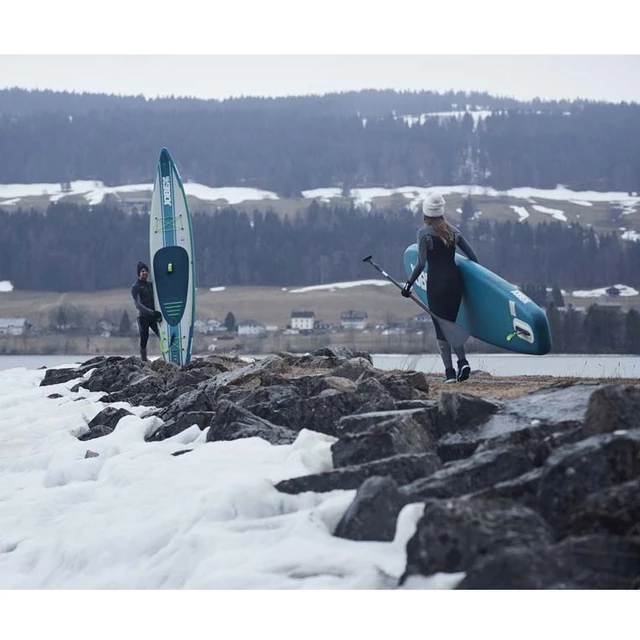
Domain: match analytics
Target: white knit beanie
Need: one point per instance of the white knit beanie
(433, 206)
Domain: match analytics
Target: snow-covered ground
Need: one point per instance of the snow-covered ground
(137, 517)
(522, 212)
(624, 290)
(340, 285)
(94, 192)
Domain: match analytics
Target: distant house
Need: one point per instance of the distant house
(302, 320)
(322, 326)
(210, 325)
(353, 319)
(251, 329)
(13, 326)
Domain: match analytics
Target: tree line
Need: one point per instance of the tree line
(353, 139)
(87, 248)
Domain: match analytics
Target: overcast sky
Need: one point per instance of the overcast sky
(409, 46)
(220, 76)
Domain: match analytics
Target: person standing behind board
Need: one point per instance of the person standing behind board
(437, 242)
(148, 317)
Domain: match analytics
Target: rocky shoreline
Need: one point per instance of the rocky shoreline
(535, 484)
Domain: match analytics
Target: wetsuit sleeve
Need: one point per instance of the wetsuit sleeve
(424, 244)
(466, 249)
(135, 294)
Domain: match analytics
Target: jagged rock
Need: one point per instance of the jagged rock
(451, 449)
(602, 561)
(548, 436)
(587, 562)
(115, 375)
(242, 375)
(104, 423)
(403, 469)
(352, 368)
(96, 432)
(91, 454)
(551, 405)
(400, 434)
(181, 452)
(143, 388)
(361, 422)
(612, 408)
(615, 510)
(180, 423)
(58, 376)
(523, 489)
(575, 471)
(232, 422)
(189, 379)
(337, 355)
(537, 567)
(400, 386)
(197, 400)
(478, 472)
(374, 511)
(461, 411)
(452, 535)
(373, 396)
(55, 396)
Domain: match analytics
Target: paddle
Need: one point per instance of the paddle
(455, 335)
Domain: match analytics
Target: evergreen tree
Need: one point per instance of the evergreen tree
(555, 326)
(632, 332)
(556, 295)
(230, 322)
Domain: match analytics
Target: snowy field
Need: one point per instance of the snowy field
(136, 517)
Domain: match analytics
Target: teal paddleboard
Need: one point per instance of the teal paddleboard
(492, 309)
(172, 263)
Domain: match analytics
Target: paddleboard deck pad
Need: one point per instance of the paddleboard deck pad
(172, 262)
(492, 309)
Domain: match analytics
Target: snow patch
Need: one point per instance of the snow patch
(522, 212)
(625, 291)
(5, 286)
(631, 235)
(214, 289)
(340, 285)
(558, 214)
(323, 194)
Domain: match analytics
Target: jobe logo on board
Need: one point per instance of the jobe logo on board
(166, 190)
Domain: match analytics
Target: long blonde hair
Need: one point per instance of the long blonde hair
(443, 229)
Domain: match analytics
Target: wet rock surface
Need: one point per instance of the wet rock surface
(535, 491)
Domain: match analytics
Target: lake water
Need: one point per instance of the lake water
(497, 364)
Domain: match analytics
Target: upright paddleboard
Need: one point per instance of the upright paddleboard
(492, 309)
(172, 262)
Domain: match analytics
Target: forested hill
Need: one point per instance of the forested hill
(38, 251)
(354, 139)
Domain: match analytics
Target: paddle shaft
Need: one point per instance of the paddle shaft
(455, 334)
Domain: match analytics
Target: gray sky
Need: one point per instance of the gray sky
(612, 78)
(288, 47)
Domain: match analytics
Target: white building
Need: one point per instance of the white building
(13, 326)
(303, 320)
(251, 329)
(353, 319)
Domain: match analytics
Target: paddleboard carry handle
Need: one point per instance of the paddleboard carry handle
(455, 335)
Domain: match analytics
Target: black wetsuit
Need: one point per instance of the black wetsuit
(142, 294)
(444, 282)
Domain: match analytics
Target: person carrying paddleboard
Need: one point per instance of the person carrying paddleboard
(148, 317)
(437, 242)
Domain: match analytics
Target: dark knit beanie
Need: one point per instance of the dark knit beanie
(142, 265)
